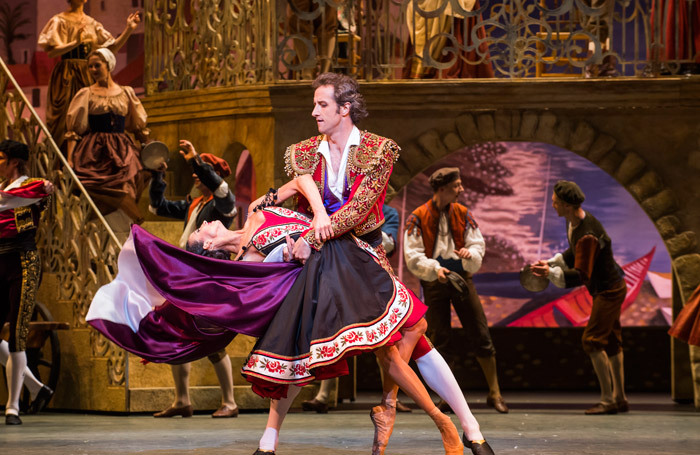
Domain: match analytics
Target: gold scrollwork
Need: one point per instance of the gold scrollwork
(198, 43)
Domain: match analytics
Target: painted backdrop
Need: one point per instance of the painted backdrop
(508, 186)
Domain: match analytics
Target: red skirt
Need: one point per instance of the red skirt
(686, 327)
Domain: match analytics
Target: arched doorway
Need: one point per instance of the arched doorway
(241, 181)
(245, 186)
(508, 187)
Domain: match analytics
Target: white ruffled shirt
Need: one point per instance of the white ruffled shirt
(557, 266)
(336, 181)
(426, 268)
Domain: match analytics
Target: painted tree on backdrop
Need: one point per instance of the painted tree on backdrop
(11, 20)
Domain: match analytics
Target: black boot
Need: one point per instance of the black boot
(477, 448)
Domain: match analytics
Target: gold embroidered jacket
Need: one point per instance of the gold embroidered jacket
(21, 218)
(367, 173)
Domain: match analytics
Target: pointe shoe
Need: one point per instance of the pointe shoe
(264, 452)
(477, 447)
(184, 411)
(450, 437)
(383, 420)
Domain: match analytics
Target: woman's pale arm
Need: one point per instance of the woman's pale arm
(62, 49)
(289, 189)
(131, 23)
(304, 185)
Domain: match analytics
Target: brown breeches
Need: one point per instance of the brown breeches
(438, 297)
(603, 331)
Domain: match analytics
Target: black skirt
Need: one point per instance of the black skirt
(342, 303)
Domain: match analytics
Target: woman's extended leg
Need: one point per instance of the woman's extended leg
(437, 375)
(406, 378)
(383, 416)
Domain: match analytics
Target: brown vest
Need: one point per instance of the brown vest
(424, 221)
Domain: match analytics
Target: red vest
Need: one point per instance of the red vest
(424, 221)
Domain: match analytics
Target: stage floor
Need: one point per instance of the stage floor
(538, 424)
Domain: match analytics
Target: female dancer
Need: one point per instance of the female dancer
(264, 238)
(271, 226)
(103, 156)
(71, 35)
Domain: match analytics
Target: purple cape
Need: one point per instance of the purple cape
(208, 301)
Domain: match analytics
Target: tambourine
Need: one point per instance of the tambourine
(154, 154)
(531, 282)
(458, 283)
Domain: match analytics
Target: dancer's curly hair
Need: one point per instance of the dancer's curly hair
(345, 90)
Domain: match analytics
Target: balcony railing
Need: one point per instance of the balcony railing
(203, 43)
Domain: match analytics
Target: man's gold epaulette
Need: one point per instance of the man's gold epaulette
(32, 180)
(302, 158)
(374, 151)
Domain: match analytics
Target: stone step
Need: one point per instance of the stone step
(204, 398)
(120, 382)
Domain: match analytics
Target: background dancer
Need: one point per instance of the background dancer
(22, 201)
(589, 261)
(72, 35)
(215, 203)
(442, 237)
(102, 154)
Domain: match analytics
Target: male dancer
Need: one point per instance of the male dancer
(589, 261)
(352, 171)
(441, 238)
(22, 201)
(216, 203)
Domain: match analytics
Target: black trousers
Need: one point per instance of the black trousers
(438, 297)
(19, 280)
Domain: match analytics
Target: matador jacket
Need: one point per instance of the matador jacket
(367, 175)
(21, 205)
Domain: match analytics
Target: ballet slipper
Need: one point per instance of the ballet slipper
(383, 419)
(450, 437)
